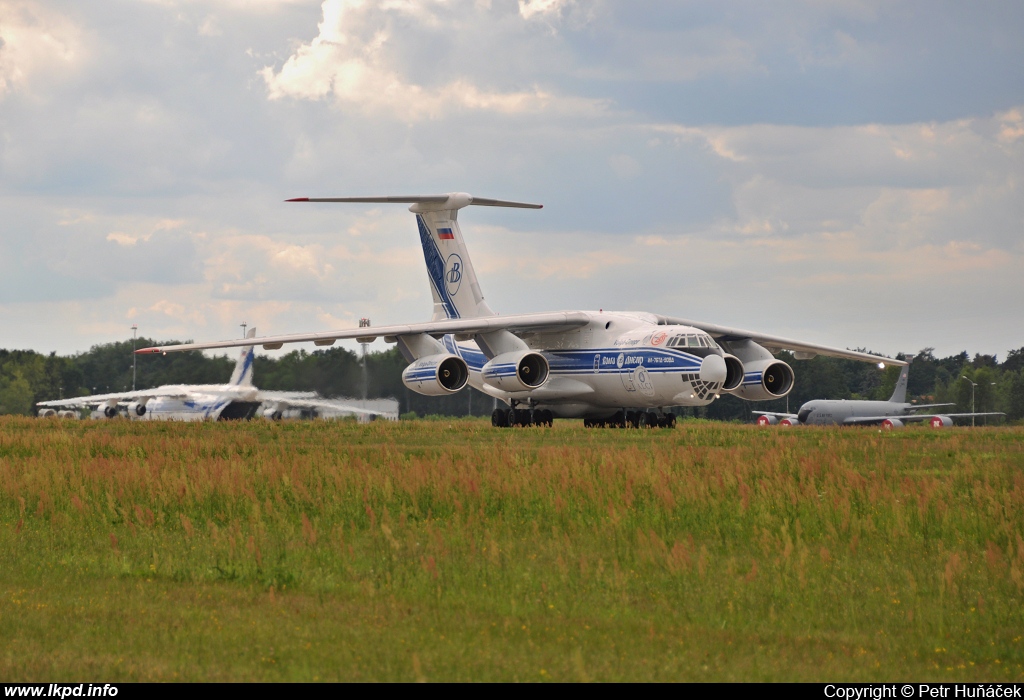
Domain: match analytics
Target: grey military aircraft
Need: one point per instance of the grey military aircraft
(891, 414)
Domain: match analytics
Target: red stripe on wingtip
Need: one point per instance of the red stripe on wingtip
(298, 199)
(151, 351)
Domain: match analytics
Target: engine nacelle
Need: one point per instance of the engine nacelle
(68, 414)
(764, 380)
(436, 375)
(137, 408)
(110, 411)
(789, 423)
(733, 373)
(941, 422)
(272, 414)
(892, 424)
(46, 413)
(765, 421)
(520, 370)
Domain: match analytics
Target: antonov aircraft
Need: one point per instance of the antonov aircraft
(236, 400)
(890, 414)
(609, 368)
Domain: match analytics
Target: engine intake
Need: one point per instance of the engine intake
(137, 408)
(46, 413)
(733, 373)
(522, 370)
(764, 380)
(436, 375)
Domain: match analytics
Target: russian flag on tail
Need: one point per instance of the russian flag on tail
(445, 234)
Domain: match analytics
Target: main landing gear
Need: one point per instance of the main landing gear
(633, 419)
(511, 417)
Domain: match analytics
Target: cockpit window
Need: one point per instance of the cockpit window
(703, 341)
(691, 341)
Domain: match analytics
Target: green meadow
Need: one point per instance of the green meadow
(449, 550)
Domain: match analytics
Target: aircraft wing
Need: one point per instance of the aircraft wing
(868, 420)
(295, 402)
(803, 351)
(516, 323)
(114, 399)
(288, 395)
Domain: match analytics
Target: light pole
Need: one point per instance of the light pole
(973, 385)
(243, 324)
(364, 323)
(135, 332)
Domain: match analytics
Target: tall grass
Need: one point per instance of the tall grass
(450, 550)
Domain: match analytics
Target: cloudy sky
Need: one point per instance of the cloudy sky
(847, 172)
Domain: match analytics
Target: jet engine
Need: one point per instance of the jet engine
(68, 414)
(765, 380)
(733, 373)
(765, 421)
(110, 411)
(789, 422)
(520, 370)
(46, 413)
(892, 424)
(272, 414)
(941, 422)
(436, 375)
(137, 408)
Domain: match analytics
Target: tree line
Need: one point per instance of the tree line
(27, 377)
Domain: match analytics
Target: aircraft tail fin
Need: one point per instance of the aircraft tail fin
(242, 376)
(900, 393)
(453, 281)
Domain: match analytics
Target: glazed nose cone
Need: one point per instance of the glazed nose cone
(712, 369)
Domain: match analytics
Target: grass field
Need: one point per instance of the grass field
(454, 551)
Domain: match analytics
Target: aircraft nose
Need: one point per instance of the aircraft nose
(713, 370)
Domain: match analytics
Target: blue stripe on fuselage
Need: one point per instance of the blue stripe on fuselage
(581, 361)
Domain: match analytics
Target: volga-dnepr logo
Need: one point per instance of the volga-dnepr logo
(453, 274)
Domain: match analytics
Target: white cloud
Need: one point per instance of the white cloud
(533, 8)
(351, 60)
(35, 43)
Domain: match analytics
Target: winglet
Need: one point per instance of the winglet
(298, 199)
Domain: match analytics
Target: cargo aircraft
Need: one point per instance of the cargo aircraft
(609, 368)
(236, 400)
(890, 414)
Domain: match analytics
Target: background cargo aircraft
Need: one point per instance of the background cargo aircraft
(236, 400)
(891, 414)
(610, 368)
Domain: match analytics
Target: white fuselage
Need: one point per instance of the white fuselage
(832, 412)
(198, 402)
(618, 360)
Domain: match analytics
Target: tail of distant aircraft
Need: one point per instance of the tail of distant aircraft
(900, 394)
(242, 376)
(453, 281)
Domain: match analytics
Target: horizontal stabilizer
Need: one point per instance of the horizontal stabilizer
(453, 200)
